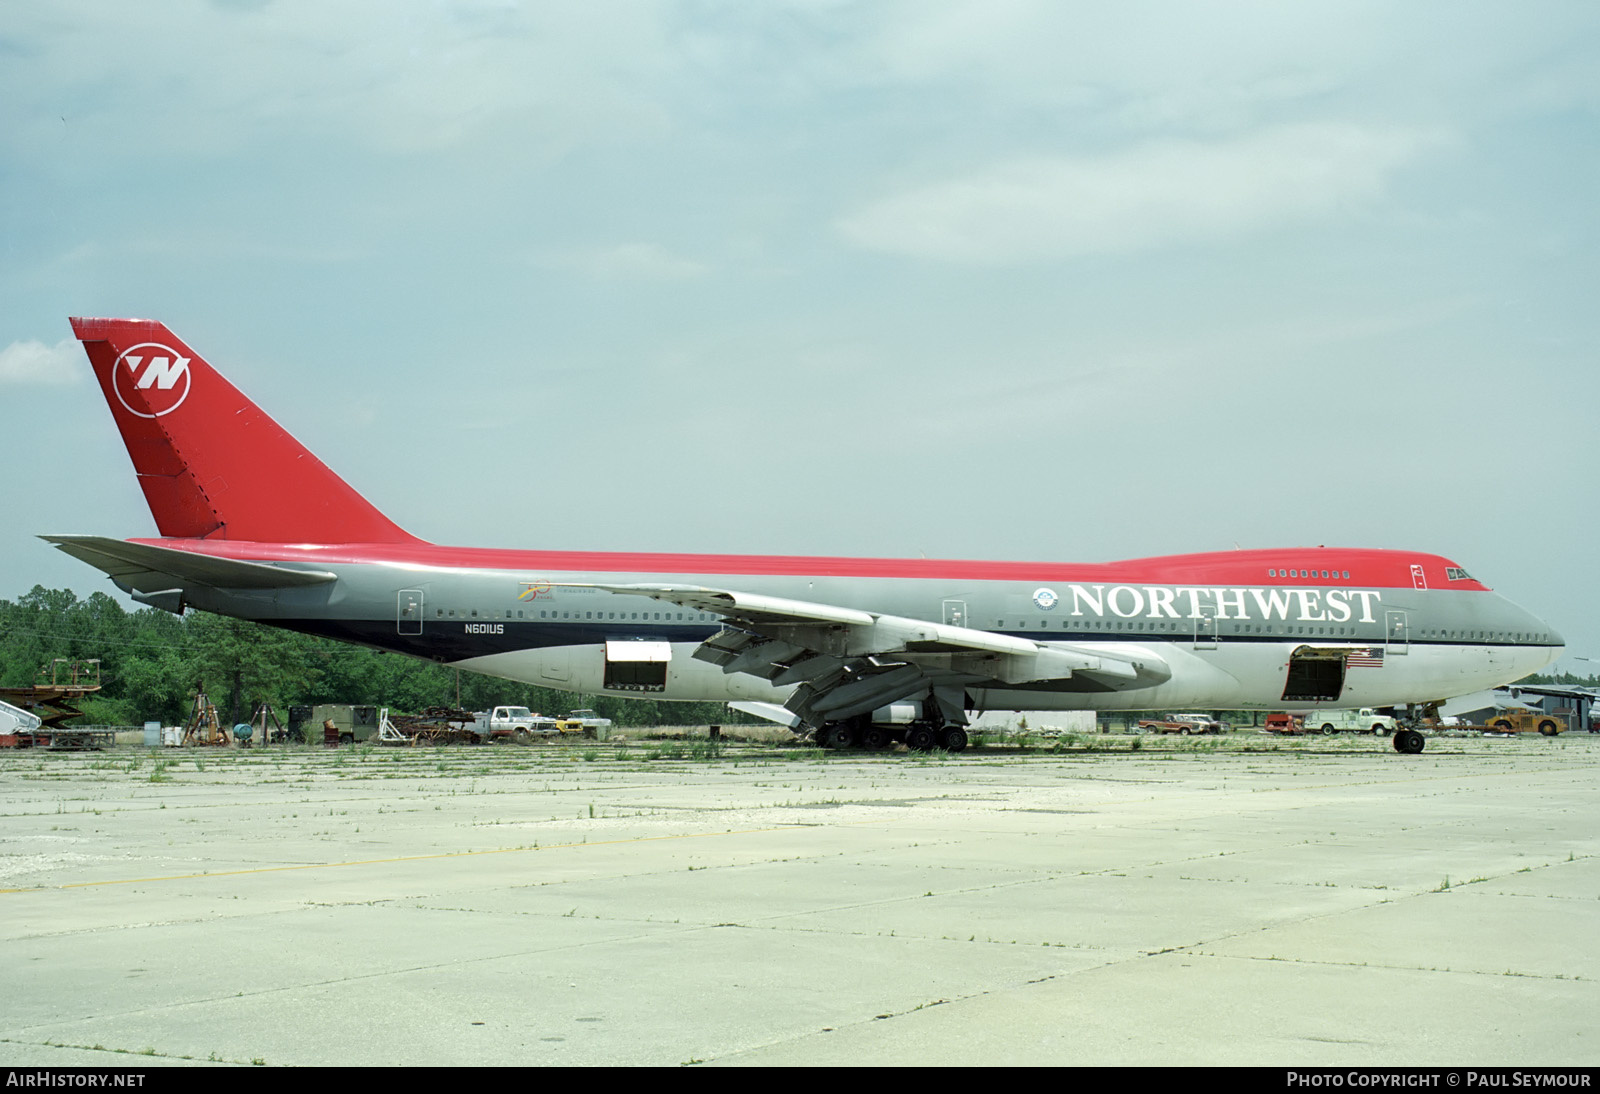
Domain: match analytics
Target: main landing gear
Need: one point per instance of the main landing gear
(927, 736)
(872, 737)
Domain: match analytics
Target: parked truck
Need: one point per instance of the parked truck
(1184, 724)
(520, 724)
(586, 723)
(350, 723)
(1365, 720)
(1282, 721)
(513, 724)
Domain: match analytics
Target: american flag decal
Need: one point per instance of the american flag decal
(1369, 658)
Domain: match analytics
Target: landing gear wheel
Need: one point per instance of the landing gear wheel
(1408, 741)
(873, 738)
(953, 739)
(838, 736)
(921, 738)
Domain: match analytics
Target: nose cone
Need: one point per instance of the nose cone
(1538, 634)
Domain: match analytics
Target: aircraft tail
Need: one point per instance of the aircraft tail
(211, 463)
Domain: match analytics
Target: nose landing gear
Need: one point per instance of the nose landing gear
(1406, 738)
(1408, 741)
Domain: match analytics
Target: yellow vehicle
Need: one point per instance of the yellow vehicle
(583, 723)
(1527, 721)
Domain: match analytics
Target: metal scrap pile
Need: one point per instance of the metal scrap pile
(435, 726)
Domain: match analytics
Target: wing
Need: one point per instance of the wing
(846, 661)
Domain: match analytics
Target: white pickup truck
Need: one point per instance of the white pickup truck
(1365, 720)
(512, 723)
(522, 724)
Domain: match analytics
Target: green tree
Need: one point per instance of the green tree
(239, 662)
(151, 660)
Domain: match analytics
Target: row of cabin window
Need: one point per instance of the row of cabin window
(1183, 626)
(1248, 628)
(441, 613)
(644, 617)
(1338, 575)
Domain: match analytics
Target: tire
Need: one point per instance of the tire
(1408, 742)
(1377, 729)
(1548, 728)
(921, 738)
(1503, 726)
(953, 739)
(347, 739)
(837, 737)
(1328, 730)
(873, 738)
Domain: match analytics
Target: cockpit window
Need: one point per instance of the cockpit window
(1456, 573)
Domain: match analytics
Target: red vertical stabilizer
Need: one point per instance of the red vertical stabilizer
(212, 464)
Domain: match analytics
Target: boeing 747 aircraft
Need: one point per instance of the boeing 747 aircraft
(862, 652)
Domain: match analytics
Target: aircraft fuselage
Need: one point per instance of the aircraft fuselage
(1228, 624)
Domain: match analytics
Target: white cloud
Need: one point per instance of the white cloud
(638, 261)
(1157, 194)
(532, 81)
(33, 362)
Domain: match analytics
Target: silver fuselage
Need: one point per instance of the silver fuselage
(1229, 643)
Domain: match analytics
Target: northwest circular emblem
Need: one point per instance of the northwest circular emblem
(150, 379)
(1045, 598)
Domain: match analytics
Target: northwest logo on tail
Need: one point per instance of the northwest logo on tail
(151, 379)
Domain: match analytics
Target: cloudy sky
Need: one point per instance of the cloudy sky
(1026, 279)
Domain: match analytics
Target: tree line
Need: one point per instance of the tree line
(151, 663)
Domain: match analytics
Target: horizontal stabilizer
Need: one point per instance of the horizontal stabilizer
(148, 568)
